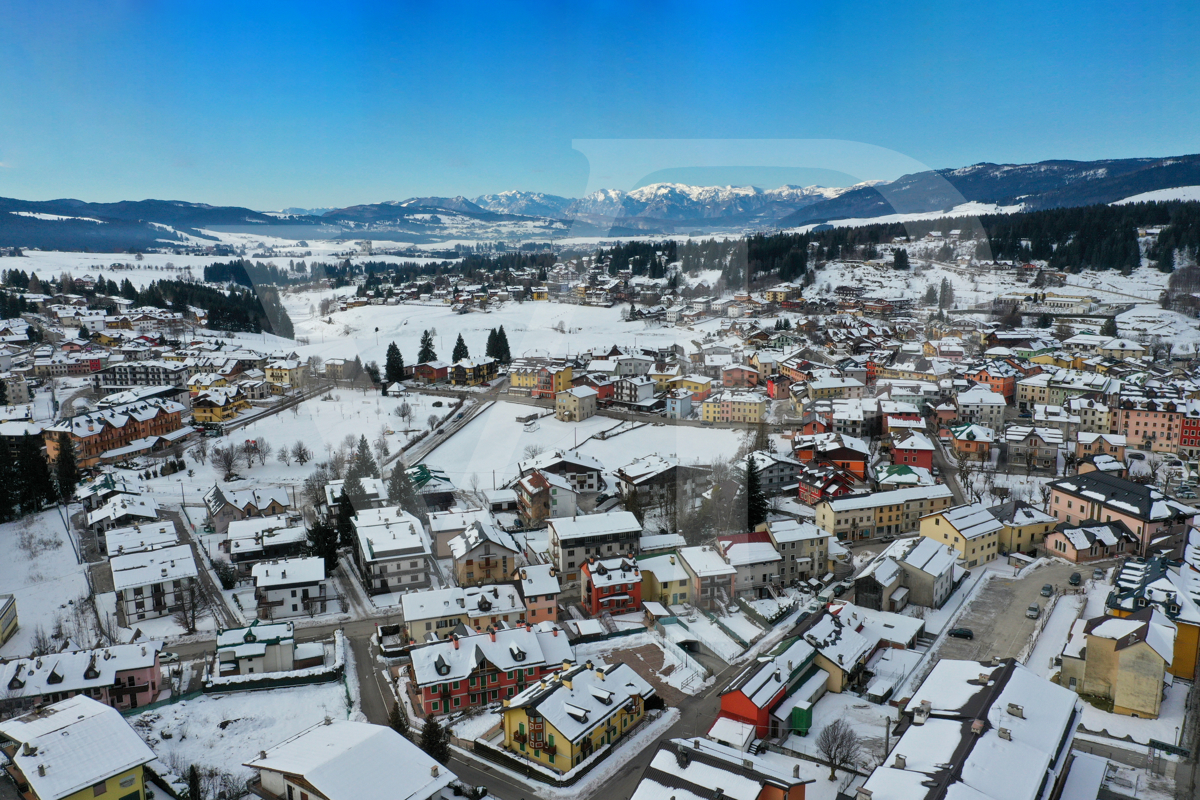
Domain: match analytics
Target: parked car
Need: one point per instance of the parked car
(1048, 590)
(1097, 574)
(1136, 456)
(167, 658)
(459, 415)
(1025, 415)
(1075, 579)
(1187, 494)
(1034, 611)
(961, 633)
(887, 537)
(839, 589)
(935, 471)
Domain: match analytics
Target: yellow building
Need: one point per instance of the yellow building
(75, 749)
(564, 718)
(203, 381)
(541, 293)
(971, 530)
(662, 375)
(699, 385)
(8, 617)
(664, 579)
(1123, 659)
(1023, 527)
(1059, 359)
(781, 294)
(734, 406)
(219, 405)
(285, 374)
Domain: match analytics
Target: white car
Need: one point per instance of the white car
(167, 658)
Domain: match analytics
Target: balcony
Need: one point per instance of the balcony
(521, 738)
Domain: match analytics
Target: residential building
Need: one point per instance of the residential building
(974, 442)
(153, 583)
(1090, 540)
(539, 588)
(803, 547)
(664, 579)
(215, 406)
(777, 473)
(345, 760)
(1094, 444)
(914, 450)
(575, 404)
(254, 539)
(73, 749)
(476, 669)
(392, 550)
(124, 676)
(226, 506)
(633, 390)
(128, 374)
(567, 716)
(8, 617)
(611, 584)
(758, 564)
(970, 530)
(257, 649)
(1123, 660)
(445, 525)
(842, 650)
(573, 541)
(1170, 588)
(437, 613)
(713, 579)
(544, 495)
(121, 510)
(689, 767)
(862, 516)
(473, 371)
(286, 374)
(981, 405)
(118, 432)
(483, 554)
(1153, 517)
(1023, 527)
(1033, 448)
(1150, 423)
(764, 686)
(582, 471)
(137, 538)
(730, 406)
(290, 587)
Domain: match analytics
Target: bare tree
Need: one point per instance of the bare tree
(42, 643)
(285, 456)
(1044, 492)
(406, 413)
(380, 445)
(532, 451)
(247, 452)
(191, 606)
(264, 450)
(301, 453)
(337, 464)
(840, 745)
(202, 450)
(225, 461)
(432, 421)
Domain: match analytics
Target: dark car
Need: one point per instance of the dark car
(1075, 579)
(1136, 456)
(1025, 415)
(1047, 590)
(961, 633)
(839, 590)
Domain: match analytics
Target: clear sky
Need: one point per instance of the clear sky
(273, 104)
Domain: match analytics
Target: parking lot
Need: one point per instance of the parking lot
(997, 613)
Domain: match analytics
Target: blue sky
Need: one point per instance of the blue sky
(329, 104)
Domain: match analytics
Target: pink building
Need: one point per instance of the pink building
(1150, 515)
(538, 585)
(123, 676)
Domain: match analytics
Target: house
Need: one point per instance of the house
(690, 767)
(973, 442)
(1153, 517)
(1173, 590)
(539, 588)
(803, 548)
(842, 652)
(374, 493)
(73, 749)
(345, 760)
(226, 506)
(633, 390)
(120, 511)
(124, 676)
(713, 579)
(582, 471)
(575, 404)
(431, 372)
(445, 525)
(899, 476)
(544, 495)
(820, 480)
(476, 669)
(734, 406)
(1024, 527)
(392, 550)
(573, 541)
(861, 516)
(968, 529)
(1089, 443)
(848, 452)
(1034, 448)
(473, 371)
(664, 579)
(564, 718)
(611, 584)
(248, 541)
(258, 648)
(929, 572)
(483, 554)
(678, 404)
(655, 478)
(756, 560)
(1123, 660)
(152, 583)
(137, 538)
(914, 450)
(285, 374)
(290, 587)
(214, 406)
(1090, 540)
(969, 724)
(100, 436)
(437, 613)
(764, 685)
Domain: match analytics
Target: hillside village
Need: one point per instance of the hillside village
(851, 536)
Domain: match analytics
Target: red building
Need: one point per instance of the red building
(1189, 428)
(612, 584)
(777, 387)
(822, 481)
(431, 371)
(762, 686)
(603, 386)
(477, 669)
(740, 375)
(913, 450)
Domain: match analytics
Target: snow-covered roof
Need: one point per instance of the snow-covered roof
(125, 505)
(690, 769)
(792, 530)
(506, 649)
(346, 760)
(75, 670)
(479, 533)
(538, 579)
(595, 694)
(473, 601)
(1142, 501)
(120, 541)
(75, 744)
(390, 533)
(664, 568)
(894, 497)
(839, 642)
(288, 571)
(972, 521)
(613, 572)
(930, 556)
(152, 566)
(705, 561)
(594, 525)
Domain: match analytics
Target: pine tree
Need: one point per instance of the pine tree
(393, 364)
(899, 259)
(66, 473)
(505, 356)
(633, 504)
(356, 368)
(35, 486)
(193, 782)
(946, 294)
(435, 741)
(9, 490)
(460, 350)
(398, 720)
(426, 353)
(401, 492)
(345, 513)
(363, 464)
(323, 542)
(1166, 260)
(756, 499)
(491, 350)
(1109, 328)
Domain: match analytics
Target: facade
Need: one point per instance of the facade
(258, 649)
(542, 496)
(573, 541)
(1090, 540)
(763, 686)
(483, 554)
(392, 551)
(756, 560)
(473, 371)
(970, 530)
(100, 435)
(1034, 448)
(1149, 514)
(730, 406)
(8, 617)
(226, 506)
(437, 613)
(124, 676)
(803, 547)
(127, 374)
(575, 405)
(539, 588)
(664, 579)
(1023, 527)
(291, 587)
(1124, 660)
(1094, 444)
(973, 441)
(564, 718)
(153, 583)
(713, 579)
(862, 516)
(214, 406)
(913, 450)
(611, 584)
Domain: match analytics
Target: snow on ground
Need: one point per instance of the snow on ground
(968, 209)
(1144, 321)
(471, 726)
(742, 625)
(1163, 729)
(712, 637)
(223, 730)
(1053, 637)
(1126, 781)
(1161, 195)
(40, 570)
(495, 441)
(866, 718)
(683, 673)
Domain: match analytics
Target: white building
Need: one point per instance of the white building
(152, 583)
(393, 551)
(290, 587)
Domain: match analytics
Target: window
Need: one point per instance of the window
(99, 788)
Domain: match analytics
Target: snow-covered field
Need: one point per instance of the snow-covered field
(40, 570)
(495, 441)
(224, 730)
(685, 674)
(1160, 195)
(867, 719)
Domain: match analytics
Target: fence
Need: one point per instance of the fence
(179, 698)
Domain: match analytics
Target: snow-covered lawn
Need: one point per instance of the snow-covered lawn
(40, 570)
(471, 726)
(495, 442)
(1053, 637)
(1142, 730)
(223, 730)
(712, 637)
(865, 717)
(742, 625)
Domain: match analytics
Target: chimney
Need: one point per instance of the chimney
(1016, 710)
(42, 770)
(555, 631)
(491, 633)
(977, 727)
(901, 762)
(863, 793)
(795, 770)
(921, 712)
(984, 678)
(455, 640)
(672, 559)
(1005, 734)
(433, 770)
(696, 744)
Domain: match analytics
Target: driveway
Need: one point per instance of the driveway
(997, 614)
